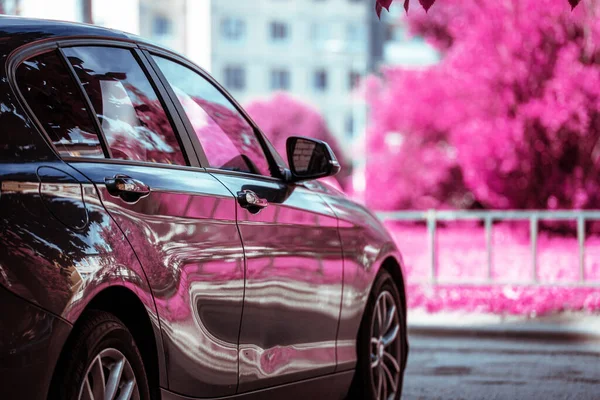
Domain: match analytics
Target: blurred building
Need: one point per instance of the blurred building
(99, 12)
(315, 49)
(183, 25)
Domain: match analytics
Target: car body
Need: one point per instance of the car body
(221, 300)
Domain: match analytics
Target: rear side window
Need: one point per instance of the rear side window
(130, 113)
(56, 101)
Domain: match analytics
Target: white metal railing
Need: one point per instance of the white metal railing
(431, 217)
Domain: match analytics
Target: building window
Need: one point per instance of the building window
(279, 31)
(353, 79)
(319, 34)
(355, 36)
(280, 79)
(320, 80)
(233, 28)
(349, 126)
(235, 77)
(161, 26)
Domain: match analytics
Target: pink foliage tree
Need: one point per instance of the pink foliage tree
(509, 118)
(282, 116)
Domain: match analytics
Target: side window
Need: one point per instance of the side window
(55, 99)
(227, 138)
(132, 117)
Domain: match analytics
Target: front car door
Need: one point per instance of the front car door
(293, 254)
(178, 218)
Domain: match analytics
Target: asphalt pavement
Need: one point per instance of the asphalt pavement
(494, 368)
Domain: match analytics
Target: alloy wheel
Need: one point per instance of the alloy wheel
(109, 377)
(385, 347)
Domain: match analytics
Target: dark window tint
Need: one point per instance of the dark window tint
(130, 113)
(226, 136)
(235, 78)
(58, 104)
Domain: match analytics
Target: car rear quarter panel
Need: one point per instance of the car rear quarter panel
(60, 248)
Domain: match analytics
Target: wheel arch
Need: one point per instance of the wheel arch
(392, 266)
(127, 307)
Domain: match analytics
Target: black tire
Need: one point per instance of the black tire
(96, 332)
(364, 386)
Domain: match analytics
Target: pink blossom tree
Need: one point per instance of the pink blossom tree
(510, 117)
(282, 116)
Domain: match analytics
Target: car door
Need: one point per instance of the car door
(179, 219)
(290, 237)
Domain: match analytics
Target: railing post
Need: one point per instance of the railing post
(431, 227)
(581, 242)
(533, 233)
(488, 246)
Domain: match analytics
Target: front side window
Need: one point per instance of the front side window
(57, 102)
(132, 117)
(226, 136)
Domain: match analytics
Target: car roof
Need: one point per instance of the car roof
(21, 30)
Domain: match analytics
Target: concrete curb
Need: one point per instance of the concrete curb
(571, 327)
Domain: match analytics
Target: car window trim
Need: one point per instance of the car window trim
(186, 125)
(274, 168)
(88, 103)
(177, 123)
(15, 59)
(133, 163)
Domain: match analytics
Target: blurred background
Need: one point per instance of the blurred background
(473, 130)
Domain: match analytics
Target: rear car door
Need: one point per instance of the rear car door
(290, 237)
(179, 219)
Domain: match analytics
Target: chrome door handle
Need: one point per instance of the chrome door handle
(250, 201)
(128, 189)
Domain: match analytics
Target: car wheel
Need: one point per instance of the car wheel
(101, 361)
(381, 344)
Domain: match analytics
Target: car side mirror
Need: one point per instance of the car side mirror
(310, 159)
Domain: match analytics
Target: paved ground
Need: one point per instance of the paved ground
(501, 368)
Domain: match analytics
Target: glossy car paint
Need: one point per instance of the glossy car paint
(30, 341)
(294, 275)
(186, 238)
(311, 256)
(367, 247)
